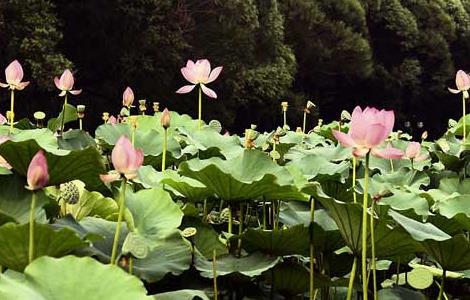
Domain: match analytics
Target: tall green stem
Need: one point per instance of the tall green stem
(285, 117)
(240, 229)
(199, 109)
(463, 117)
(80, 124)
(372, 236)
(165, 142)
(12, 109)
(305, 122)
(117, 233)
(229, 219)
(364, 228)
(214, 273)
(63, 115)
(441, 288)
(31, 227)
(351, 278)
(131, 265)
(312, 249)
(354, 162)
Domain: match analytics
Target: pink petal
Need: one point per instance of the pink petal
(38, 174)
(344, 139)
(358, 126)
(388, 153)
(421, 157)
(66, 80)
(110, 177)
(388, 117)
(453, 91)
(14, 72)
(413, 150)
(214, 74)
(75, 92)
(204, 70)
(62, 94)
(360, 151)
(57, 83)
(189, 64)
(3, 120)
(4, 85)
(462, 80)
(375, 135)
(4, 163)
(20, 86)
(189, 74)
(185, 89)
(208, 91)
(122, 155)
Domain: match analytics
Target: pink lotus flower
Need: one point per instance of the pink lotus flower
(413, 151)
(368, 130)
(127, 97)
(126, 161)
(3, 120)
(38, 174)
(65, 83)
(14, 75)
(462, 81)
(199, 73)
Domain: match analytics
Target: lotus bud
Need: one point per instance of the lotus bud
(308, 108)
(126, 159)
(165, 118)
(112, 120)
(127, 97)
(345, 116)
(142, 106)
(156, 107)
(38, 174)
(424, 135)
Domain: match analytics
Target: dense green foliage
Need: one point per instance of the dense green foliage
(398, 54)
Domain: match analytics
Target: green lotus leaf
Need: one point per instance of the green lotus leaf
(75, 140)
(93, 204)
(85, 165)
(177, 121)
(420, 278)
(403, 200)
(206, 239)
(400, 293)
(70, 115)
(208, 142)
(182, 295)
(150, 141)
(404, 177)
(419, 231)
(249, 176)
(47, 241)
(313, 166)
(389, 242)
(251, 265)
(15, 201)
(329, 153)
(451, 254)
(153, 212)
(70, 278)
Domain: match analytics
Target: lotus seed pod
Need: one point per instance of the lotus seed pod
(156, 107)
(70, 192)
(105, 116)
(189, 232)
(142, 106)
(284, 106)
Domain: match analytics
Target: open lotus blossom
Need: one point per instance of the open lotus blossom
(462, 82)
(413, 151)
(127, 97)
(14, 75)
(367, 131)
(126, 161)
(199, 73)
(38, 174)
(65, 83)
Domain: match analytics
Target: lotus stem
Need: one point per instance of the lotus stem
(240, 229)
(63, 116)
(229, 219)
(463, 118)
(398, 271)
(214, 273)
(204, 211)
(117, 233)
(264, 215)
(133, 135)
(165, 145)
(305, 122)
(131, 264)
(285, 117)
(441, 288)
(31, 228)
(372, 235)
(364, 228)
(392, 169)
(354, 162)
(312, 249)
(12, 109)
(80, 124)
(199, 109)
(351, 279)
